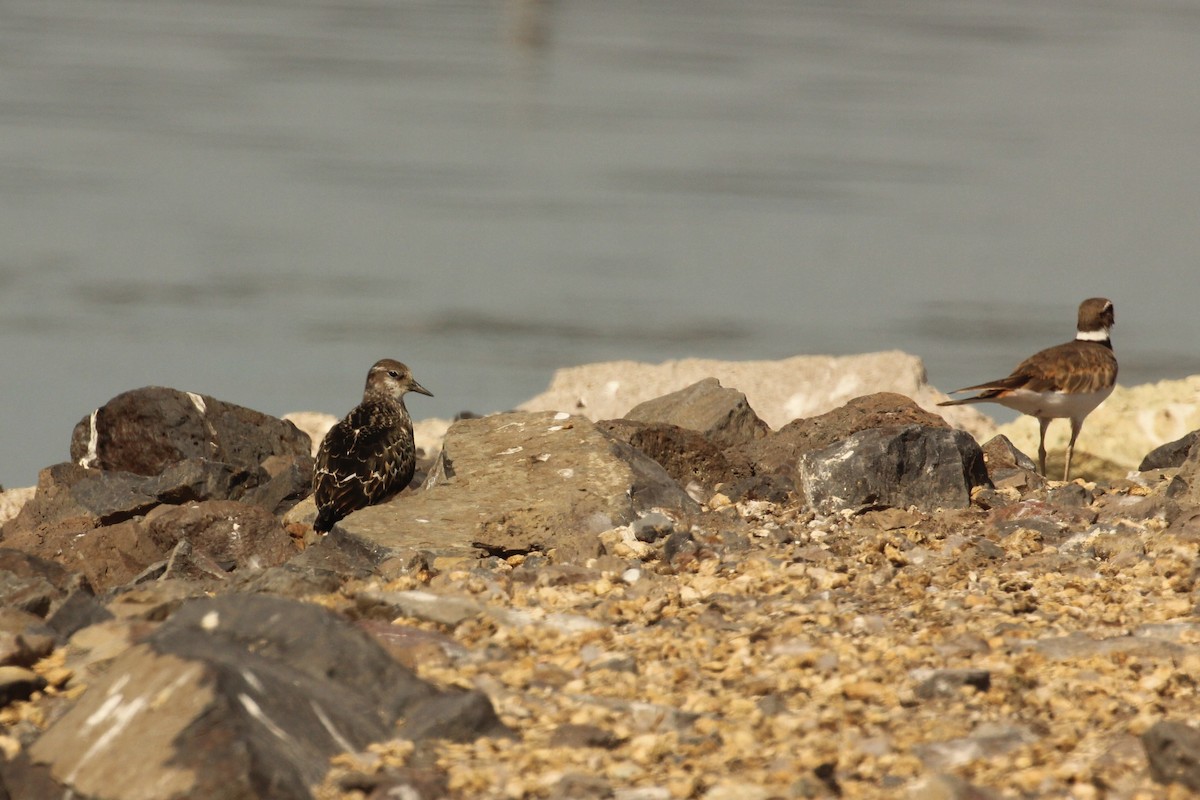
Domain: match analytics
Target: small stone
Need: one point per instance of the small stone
(948, 682)
(18, 683)
(1173, 750)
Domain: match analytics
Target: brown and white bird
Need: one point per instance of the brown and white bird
(1069, 380)
(369, 456)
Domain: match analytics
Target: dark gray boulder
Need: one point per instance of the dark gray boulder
(1171, 454)
(243, 697)
(144, 431)
(780, 452)
(913, 465)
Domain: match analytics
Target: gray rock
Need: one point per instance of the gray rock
(79, 610)
(269, 689)
(514, 483)
(722, 415)
(18, 683)
(580, 735)
(235, 535)
(1171, 454)
(1173, 750)
(146, 430)
(1079, 646)
(688, 456)
(946, 787)
(933, 683)
(1001, 454)
(97, 498)
(232, 535)
(577, 786)
(898, 467)
(24, 638)
(989, 740)
(442, 609)
(1008, 467)
(33, 584)
(779, 453)
(1184, 488)
(283, 482)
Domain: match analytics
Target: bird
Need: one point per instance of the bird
(1068, 380)
(369, 456)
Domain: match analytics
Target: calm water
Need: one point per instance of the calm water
(256, 199)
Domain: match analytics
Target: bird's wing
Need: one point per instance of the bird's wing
(1081, 367)
(362, 460)
(1072, 367)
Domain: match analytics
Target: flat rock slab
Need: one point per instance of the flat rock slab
(244, 697)
(516, 482)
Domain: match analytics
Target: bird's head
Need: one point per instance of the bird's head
(393, 379)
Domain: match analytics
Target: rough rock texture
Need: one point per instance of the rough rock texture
(109, 527)
(1170, 455)
(688, 456)
(242, 697)
(146, 430)
(1041, 642)
(33, 584)
(12, 500)
(896, 467)
(1008, 467)
(780, 452)
(1184, 487)
(1118, 435)
(516, 482)
(779, 391)
(1173, 750)
(722, 415)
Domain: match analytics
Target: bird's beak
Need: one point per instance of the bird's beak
(413, 386)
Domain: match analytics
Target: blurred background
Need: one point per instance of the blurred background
(256, 199)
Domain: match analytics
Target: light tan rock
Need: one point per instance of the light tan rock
(516, 481)
(1128, 425)
(13, 500)
(778, 391)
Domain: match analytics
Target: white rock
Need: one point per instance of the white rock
(778, 391)
(13, 500)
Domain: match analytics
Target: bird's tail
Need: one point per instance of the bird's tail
(964, 401)
(327, 517)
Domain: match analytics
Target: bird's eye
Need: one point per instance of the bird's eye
(393, 374)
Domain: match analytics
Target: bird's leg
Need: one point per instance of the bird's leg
(1075, 426)
(1043, 424)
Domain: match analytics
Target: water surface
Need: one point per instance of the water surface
(257, 199)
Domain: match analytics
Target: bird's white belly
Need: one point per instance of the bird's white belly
(1054, 404)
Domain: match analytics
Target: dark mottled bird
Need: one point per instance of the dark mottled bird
(369, 456)
(1069, 380)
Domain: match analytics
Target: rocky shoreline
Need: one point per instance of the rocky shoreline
(650, 582)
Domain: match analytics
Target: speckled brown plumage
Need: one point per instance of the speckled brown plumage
(369, 456)
(1068, 380)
